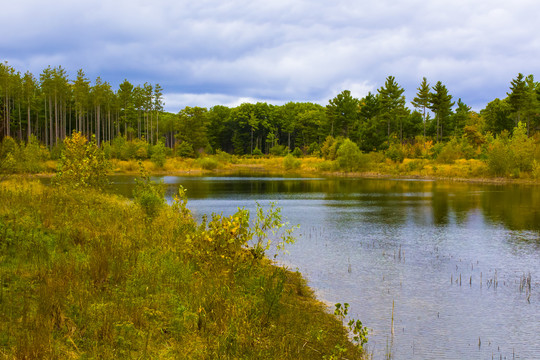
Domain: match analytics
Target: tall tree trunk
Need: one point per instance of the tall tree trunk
(29, 128)
(20, 123)
(98, 125)
(50, 122)
(45, 122)
(55, 119)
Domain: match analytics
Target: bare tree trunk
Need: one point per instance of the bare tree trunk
(50, 123)
(55, 119)
(98, 125)
(29, 127)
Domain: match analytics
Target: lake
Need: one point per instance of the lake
(456, 265)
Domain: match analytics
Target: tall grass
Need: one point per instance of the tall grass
(88, 275)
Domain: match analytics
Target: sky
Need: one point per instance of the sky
(210, 52)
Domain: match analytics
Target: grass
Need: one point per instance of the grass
(89, 275)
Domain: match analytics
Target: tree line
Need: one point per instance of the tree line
(51, 106)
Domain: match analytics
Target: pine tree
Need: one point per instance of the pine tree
(441, 104)
(158, 105)
(342, 111)
(517, 96)
(29, 91)
(421, 101)
(81, 97)
(392, 103)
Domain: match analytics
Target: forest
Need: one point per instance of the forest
(45, 109)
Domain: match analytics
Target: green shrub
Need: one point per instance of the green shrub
(225, 157)
(395, 153)
(349, 156)
(148, 194)
(290, 162)
(330, 147)
(450, 152)
(257, 152)
(82, 163)
(499, 159)
(118, 148)
(158, 156)
(207, 163)
(8, 146)
(185, 149)
(326, 166)
(522, 148)
(314, 149)
(8, 165)
(297, 152)
(279, 150)
(33, 155)
(535, 173)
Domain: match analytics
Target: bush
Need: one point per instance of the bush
(33, 155)
(326, 166)
(117, 148)
(158, 154)
(279, 150)
(395, 153)
(499, 159)
(225, 157)
(330, 147)
(148, 194)
(314, 149)
(450, 153)
(82, 163)
(257, 152)
(7, 165)
(522, 148)
(535, 173)
(9, 146)
(185, 149)
(415, 165)
(208, 163)
(297, 152)
(349, 156)
(290, 162)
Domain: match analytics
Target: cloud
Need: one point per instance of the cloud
(278, 50)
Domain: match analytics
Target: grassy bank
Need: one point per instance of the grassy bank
(346, 165)
(89, 275)
(471, 170)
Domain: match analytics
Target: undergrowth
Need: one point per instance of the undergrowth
(88, 275)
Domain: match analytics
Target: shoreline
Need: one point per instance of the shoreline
(264, 166)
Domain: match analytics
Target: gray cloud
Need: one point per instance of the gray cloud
(276, 51)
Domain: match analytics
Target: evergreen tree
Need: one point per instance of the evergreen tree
(421, 101)
(372, 133)
(158, 105)
(517, 97)
(531, 103)
(459, 119)
(441, 105)
(497, 116)
(392, 104)
(81, 97)
(127, 105)
(30, 88)
(191, 128)
(342, 111)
